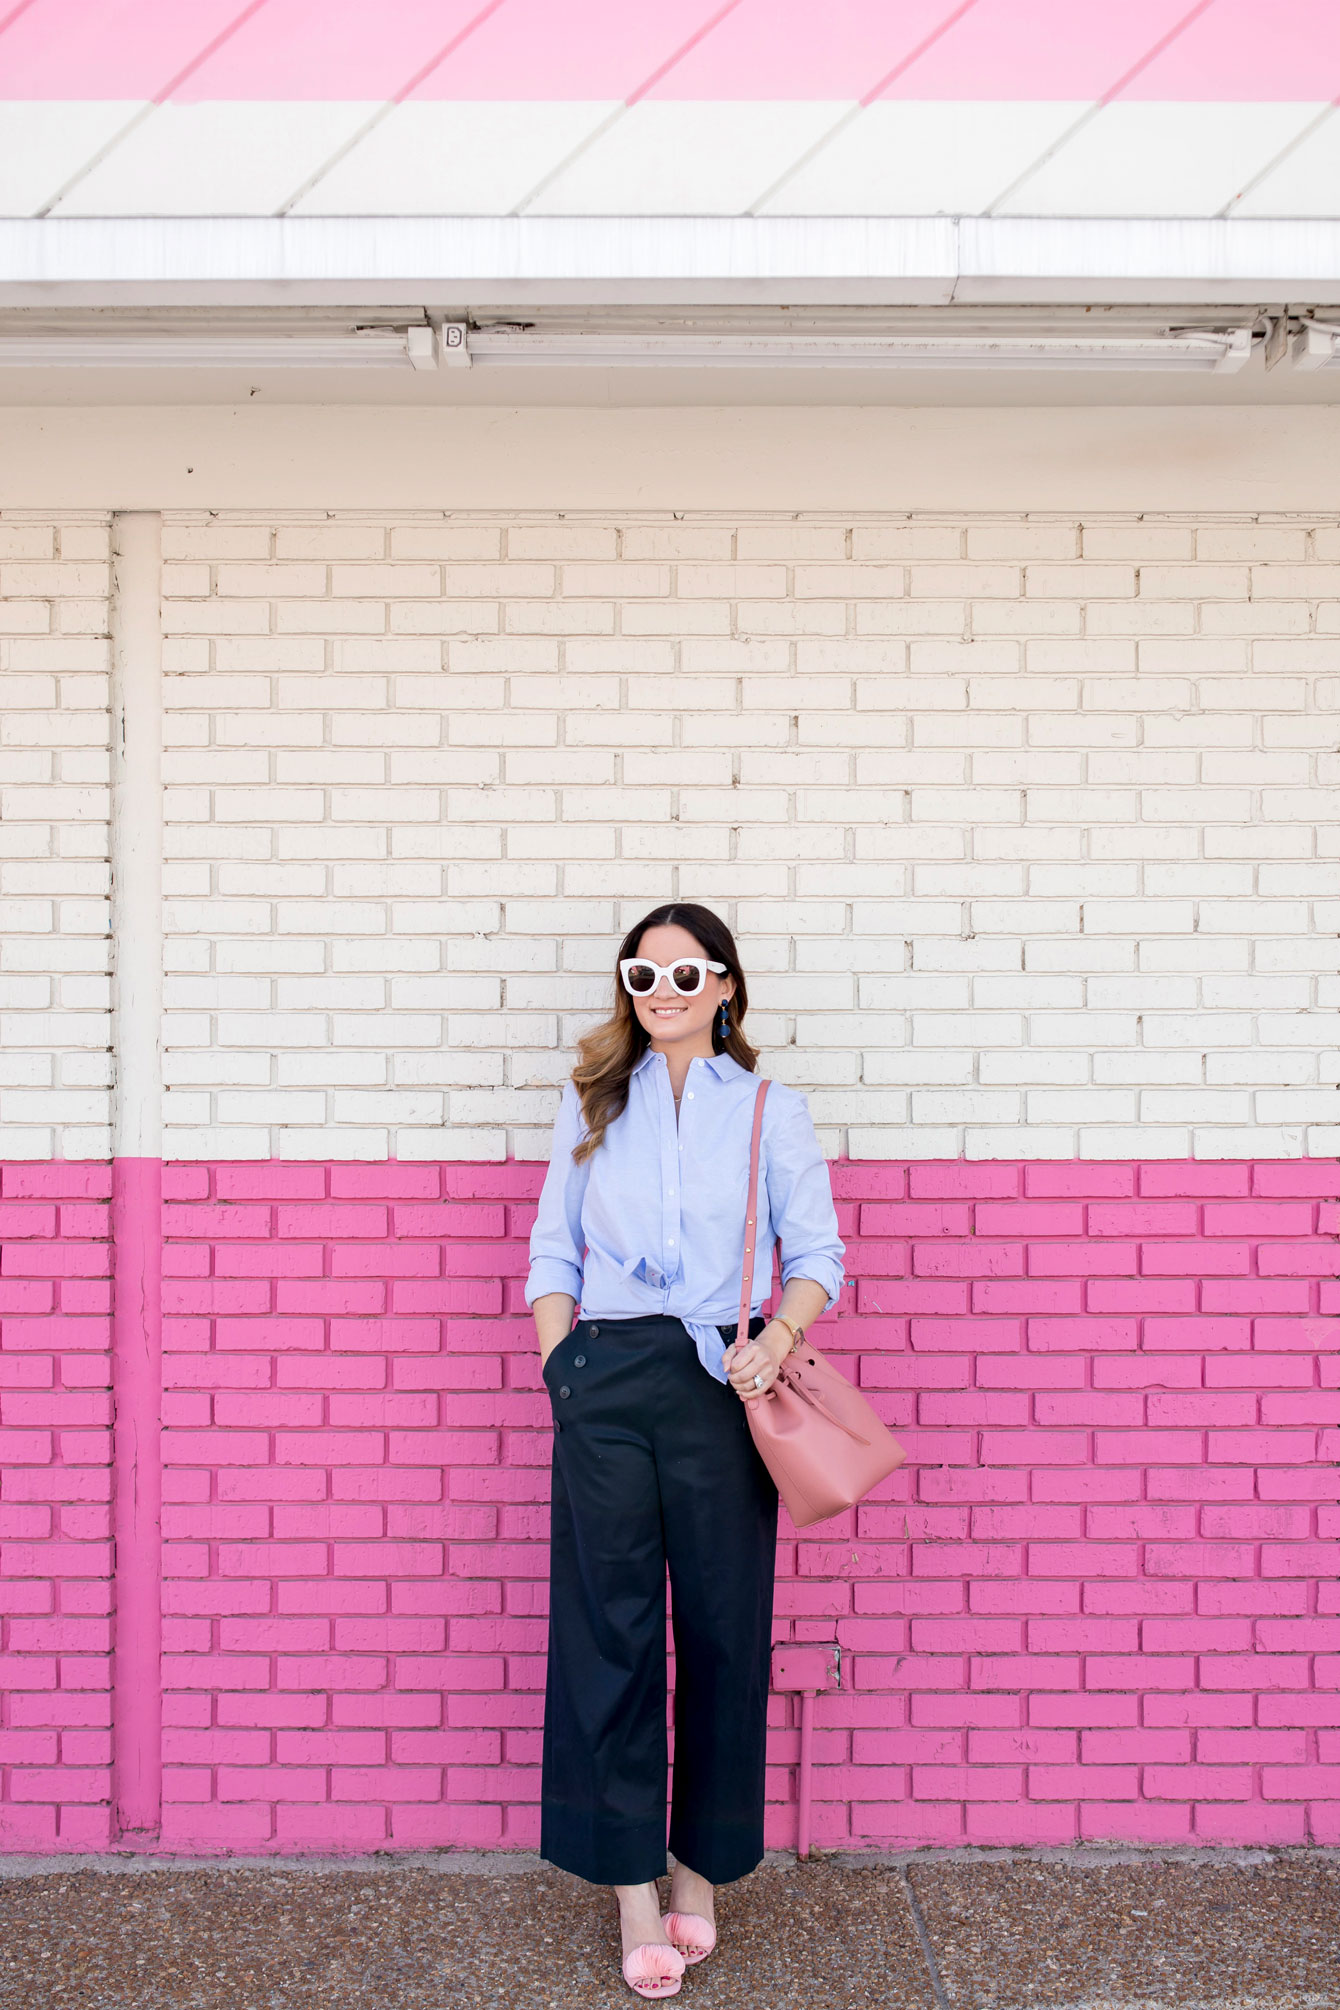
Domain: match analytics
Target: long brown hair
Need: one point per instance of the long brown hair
(607, 1055)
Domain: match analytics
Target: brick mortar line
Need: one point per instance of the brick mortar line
(1268, 519)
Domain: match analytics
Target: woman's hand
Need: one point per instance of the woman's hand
(553, 1320)
(761, 1356)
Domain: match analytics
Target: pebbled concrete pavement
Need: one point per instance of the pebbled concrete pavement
(959, 1931)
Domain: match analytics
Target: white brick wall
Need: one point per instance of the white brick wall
(1027, 827)
(54, 950)
(1023, 824)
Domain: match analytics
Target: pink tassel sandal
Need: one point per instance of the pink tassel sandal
(653, 1970)
(694, 1936)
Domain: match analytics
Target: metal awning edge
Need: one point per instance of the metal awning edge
(911, 259)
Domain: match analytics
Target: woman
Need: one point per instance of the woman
(641, 1223)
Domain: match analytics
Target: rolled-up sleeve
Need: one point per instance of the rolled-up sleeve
(800, 1200)
(557, 1244)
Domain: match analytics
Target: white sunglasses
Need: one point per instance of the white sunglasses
(641, 976)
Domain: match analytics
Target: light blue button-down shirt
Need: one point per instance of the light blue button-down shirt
(654, 1220)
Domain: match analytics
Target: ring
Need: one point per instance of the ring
(758, 1381)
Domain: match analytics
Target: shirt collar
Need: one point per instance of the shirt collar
(723, 1066)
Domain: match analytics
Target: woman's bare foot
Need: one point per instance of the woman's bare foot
(640, 1916)
(691, 1893)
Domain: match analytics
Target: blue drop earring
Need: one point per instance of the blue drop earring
(724, 1027)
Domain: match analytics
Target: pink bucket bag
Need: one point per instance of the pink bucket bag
(816, 1434)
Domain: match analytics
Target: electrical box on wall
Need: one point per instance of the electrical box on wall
(805, 1668)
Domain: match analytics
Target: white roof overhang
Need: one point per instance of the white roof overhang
(474, 263)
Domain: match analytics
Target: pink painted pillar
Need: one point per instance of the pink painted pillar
(137, 1497)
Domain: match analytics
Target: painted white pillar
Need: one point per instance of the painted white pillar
(137, 832)
(137, 1173)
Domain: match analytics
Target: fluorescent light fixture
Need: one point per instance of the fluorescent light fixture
(1214, 350)
(1316, 346)
(328, 349)
(694, 344)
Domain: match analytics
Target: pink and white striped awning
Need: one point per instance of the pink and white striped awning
(670, 108)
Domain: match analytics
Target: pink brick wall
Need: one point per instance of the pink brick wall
(1099, 1602)
(55, 1550)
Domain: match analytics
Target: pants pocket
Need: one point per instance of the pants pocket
(551, 1360)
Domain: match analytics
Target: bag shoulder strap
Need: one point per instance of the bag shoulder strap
(751, 1218)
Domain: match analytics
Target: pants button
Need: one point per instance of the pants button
(579, 1360)
(565, 1390)
(595, 1332)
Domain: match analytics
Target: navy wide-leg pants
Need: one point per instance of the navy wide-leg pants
(654, 1464)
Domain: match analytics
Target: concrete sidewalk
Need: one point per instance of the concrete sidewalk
(969, 1930)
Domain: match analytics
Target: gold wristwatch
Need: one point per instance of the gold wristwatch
(797, 1332)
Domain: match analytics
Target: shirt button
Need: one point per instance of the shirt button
(690, 1095)
(565, 1390)
(672, 1242)
(579, 1360)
